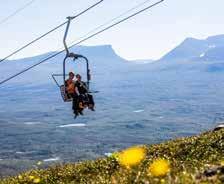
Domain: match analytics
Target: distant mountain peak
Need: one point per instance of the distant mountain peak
(189, 39)
(217, 40)
(221, 36)
(192, 48)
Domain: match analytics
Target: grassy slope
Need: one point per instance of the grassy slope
(189, 159)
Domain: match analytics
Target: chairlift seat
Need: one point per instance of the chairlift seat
(64, 95)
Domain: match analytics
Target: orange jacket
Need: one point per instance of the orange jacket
(70, 87)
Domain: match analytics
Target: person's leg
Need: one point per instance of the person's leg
(85, 100)
(74, 104)
(80, 104)
(91, 102)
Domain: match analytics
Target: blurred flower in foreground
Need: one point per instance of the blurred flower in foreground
(131, 156)
(39, 163)
(115, 155)
(36, 180)
(31, 177)
(222, 163)
(159, 167)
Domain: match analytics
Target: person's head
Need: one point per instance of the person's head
(71, 75)
(78, 77)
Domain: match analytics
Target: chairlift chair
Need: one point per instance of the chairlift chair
(73, 56)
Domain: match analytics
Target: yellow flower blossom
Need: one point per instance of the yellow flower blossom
(20, 177)
(131, 156)
(159, 167)
(31, 177)
(115, 155)
(39, 163)
(222, 163)
(36, 180)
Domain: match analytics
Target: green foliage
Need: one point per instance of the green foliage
(189, 158)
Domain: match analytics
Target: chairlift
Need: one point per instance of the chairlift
(74, 57)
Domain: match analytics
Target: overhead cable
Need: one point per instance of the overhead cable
(47, 33)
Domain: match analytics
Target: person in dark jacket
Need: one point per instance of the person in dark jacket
(85, 97)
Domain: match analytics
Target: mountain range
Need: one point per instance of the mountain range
(191, 49)
(103, 58)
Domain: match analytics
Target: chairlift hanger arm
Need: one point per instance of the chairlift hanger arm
(70, 54)
(65, 36)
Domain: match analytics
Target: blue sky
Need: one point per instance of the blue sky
(149, 35)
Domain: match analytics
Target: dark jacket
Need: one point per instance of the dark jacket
(82, 88)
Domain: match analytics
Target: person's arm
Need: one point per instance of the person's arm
(84, 86)
(76, 89)
(66, 86)
(66, 83)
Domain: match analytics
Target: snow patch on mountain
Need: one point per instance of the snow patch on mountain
(202, 55)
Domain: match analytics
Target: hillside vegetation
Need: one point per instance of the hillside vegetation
(198, 159)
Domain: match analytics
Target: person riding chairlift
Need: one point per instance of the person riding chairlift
(72, 92)
(85, 98)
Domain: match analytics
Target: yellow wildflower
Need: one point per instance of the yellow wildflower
(39, 163)
(20, 177)
(131, 156)
(222, 163)
(31, 177)
(115, 155)
(36, 180)
(159, 167)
